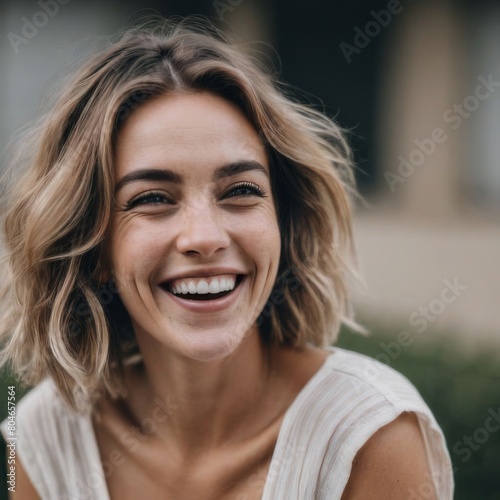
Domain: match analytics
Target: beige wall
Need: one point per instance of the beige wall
(424, 230)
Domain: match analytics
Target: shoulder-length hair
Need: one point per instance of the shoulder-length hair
(59, 320)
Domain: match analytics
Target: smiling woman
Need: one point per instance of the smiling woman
(179, 252)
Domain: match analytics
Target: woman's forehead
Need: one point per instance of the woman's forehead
(184, 128)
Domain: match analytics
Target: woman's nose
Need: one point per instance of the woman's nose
(202, 230)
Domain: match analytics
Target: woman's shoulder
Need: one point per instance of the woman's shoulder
(43, 423)
(53, 441)
(40, 403)
(37, 396)
(343, 405)
(357, 395)
(374, 400)
(349, 385)
(36, 405)
(363, 377)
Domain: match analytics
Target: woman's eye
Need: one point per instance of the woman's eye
(245, 189)
(150, 198)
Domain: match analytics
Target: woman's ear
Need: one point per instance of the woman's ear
(102, 271)
(104, 276)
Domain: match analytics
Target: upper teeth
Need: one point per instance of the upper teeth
(212, 284)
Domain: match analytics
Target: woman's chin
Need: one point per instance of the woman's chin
(200, 343)
(213, 347)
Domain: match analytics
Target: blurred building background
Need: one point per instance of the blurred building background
(417, 83)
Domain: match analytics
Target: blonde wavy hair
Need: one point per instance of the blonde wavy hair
(58, 319)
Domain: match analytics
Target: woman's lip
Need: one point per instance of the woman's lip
(212, 305)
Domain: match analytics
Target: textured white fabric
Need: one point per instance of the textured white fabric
(342, 405)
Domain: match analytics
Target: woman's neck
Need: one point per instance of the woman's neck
(197, 405)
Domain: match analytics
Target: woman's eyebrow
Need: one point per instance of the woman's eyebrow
(165, 175)
(237, 168)
(149, 174)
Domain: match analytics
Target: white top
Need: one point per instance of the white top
(348, 399)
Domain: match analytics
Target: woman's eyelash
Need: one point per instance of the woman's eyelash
(149, 198)
(248, 186)
(159, 197)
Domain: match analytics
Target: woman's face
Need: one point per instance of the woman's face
(194, 243)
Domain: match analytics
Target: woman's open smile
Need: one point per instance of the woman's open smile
(194, 243)
(208, 293)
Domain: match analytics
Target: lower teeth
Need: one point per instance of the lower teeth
(205, 296)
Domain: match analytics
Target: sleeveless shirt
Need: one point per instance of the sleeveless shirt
(346, 401)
